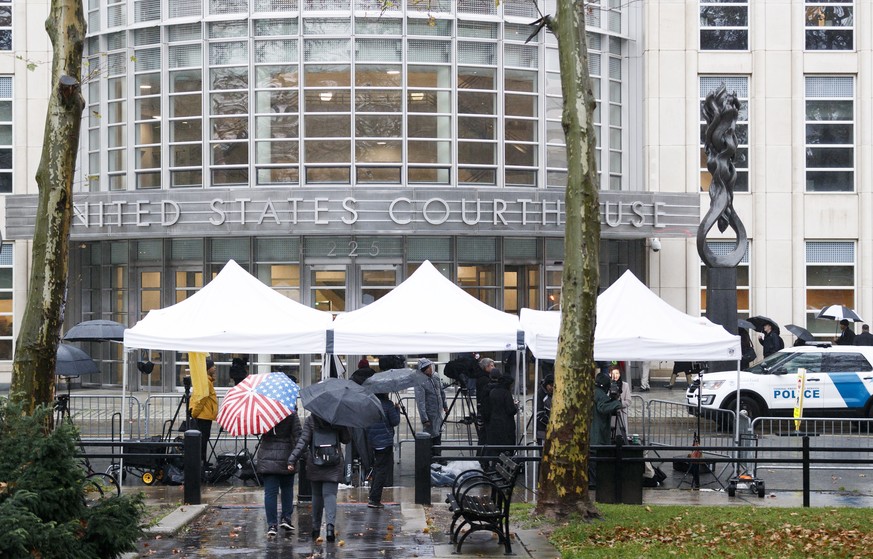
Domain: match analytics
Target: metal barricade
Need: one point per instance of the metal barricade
(161, 409)
(846, 433)
(671, 424)
(98, 416)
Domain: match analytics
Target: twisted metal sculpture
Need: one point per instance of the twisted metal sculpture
(720, 110)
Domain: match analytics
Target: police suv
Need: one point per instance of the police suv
(839, 381)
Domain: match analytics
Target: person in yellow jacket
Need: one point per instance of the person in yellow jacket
(204, 401)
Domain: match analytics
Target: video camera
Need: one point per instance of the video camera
(614, 391)
(462, 368)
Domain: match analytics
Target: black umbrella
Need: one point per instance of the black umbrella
(96, 331)
(742, 323)
(839, 312)
(342, 402)
(73, 362)
(394, 380)
(801, 333)
(759, 321)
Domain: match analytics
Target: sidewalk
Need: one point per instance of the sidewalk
(233, 526)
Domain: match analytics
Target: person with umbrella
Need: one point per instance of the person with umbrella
(272, 465)
(265, 404)
(430, 397)
(771, 342)
(319, 444)
(380, 435)
(847, 335)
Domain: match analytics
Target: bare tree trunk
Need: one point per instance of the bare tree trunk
(564, 477)
(33, 380)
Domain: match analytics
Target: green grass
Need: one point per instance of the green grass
(652, 532)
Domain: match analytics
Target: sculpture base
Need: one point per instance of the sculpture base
(721, 306)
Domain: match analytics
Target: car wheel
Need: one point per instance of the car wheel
(751, 407)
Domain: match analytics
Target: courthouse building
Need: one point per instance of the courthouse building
(330, 146)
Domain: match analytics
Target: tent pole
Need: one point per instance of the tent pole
(536, 399)
(124, 364)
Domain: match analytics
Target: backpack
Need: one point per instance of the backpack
(325, 447)
(780, 343)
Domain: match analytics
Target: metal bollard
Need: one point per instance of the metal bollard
(192, 467)
(304, 488)
(423, 455)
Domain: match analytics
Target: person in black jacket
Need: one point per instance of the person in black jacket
(544, 406)
(238, 370)
(381, 438)
(271, 463)
(865, 337)
(770, 341)
(324, 479)
(847, 335)
(500, 416)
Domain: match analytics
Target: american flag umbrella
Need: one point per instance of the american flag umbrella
(258, 403)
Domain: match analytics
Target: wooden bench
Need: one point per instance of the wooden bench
(480, 501)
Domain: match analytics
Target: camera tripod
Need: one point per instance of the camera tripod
(183, 403)
(468, 411)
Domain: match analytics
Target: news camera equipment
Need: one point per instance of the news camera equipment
(614, 391)
(468, 410)
(145, 367)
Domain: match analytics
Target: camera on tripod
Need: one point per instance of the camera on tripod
(186, 380)
(614, 391)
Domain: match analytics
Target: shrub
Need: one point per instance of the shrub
(42, 504)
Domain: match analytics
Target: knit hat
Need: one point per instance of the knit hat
(424, 363)
(495, 374)
(363, 364)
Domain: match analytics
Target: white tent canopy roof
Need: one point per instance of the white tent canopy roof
(427, 313)
(634, 324)
(234, 313)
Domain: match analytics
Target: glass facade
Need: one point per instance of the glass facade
(329, 92)
(830, 280)
(724, 25)
(830, 133)
(830, 25)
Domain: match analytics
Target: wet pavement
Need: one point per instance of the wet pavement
(233, 526)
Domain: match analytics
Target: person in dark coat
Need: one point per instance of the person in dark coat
(271, 463)
(847, 335)
(381, 438)
(770, 341)
(238, 370)
(685, 367)
(323, 479)
(748, 353)
(500, 416)
(865, 337)
(360, 449)
(604, 408)
(544, 406)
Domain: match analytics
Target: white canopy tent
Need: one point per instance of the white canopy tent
(427, 313)
(233, 313)
(634, 324)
